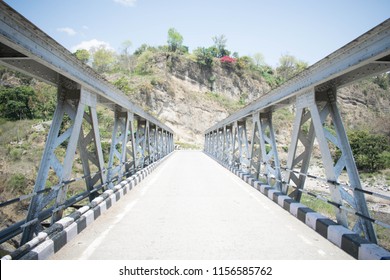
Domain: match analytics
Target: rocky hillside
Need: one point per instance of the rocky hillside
(190, 97)
(365, 105)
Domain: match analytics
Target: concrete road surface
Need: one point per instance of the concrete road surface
(190, 208)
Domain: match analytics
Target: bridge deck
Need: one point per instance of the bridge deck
(193, 208)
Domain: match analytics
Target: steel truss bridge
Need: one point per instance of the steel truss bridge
(244, 142)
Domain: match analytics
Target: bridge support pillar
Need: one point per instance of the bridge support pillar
(317, 113)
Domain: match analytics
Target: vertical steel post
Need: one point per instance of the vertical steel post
(140, 138)
(119, 138)
(303, 131)
(220, 144)
(131, 154)
(256, 156)
(243, 146)
(153, 143)
(264, 150)
(235, 151)
(160, 142)
(95, 156)
(215, 143)
(269, 150)
(229, 150)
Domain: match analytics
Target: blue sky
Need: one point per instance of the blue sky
(309, 30)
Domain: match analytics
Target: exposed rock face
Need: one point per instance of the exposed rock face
(191, 98)
(364, 105)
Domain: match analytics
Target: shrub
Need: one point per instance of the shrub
(15, 154)
(103, 60)
(227, 59)
(24, 102)
(123, 85)
(175, 40)
(384, 159)
(15, 103)
(371, 151)
(17, 182)
(143, 66)
(204, 56)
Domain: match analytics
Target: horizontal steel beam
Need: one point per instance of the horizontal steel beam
(367, 55)
(19, 38)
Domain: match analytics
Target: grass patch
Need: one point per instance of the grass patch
(15, 131)
(229, 104)
(383, 234)
(319, 206)
(17, 183)
(15, 154)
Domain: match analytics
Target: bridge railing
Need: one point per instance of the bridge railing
(247, 141)
(138, 139)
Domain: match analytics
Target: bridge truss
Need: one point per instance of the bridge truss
(138, 139)
(246, 140)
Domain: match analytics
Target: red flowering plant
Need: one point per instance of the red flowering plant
(227, 59)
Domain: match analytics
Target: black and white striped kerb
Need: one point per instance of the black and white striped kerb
(339, 235)
(51, 240)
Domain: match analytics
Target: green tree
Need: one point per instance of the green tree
(141, 49)
(103, 60)
(126, 45)
(123, 84)
(371, 151)
(126, 61)
(15, 103)
(289, 66)
(204, 56)
(258, 59)
(82, 55)
(26, 102)
(143, 66)
(244, 63)
(175, 40)
(44, 102)
(220, 45)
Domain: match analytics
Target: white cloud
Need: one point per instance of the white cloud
(67, 30)
(128, 3)
(90, 45)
